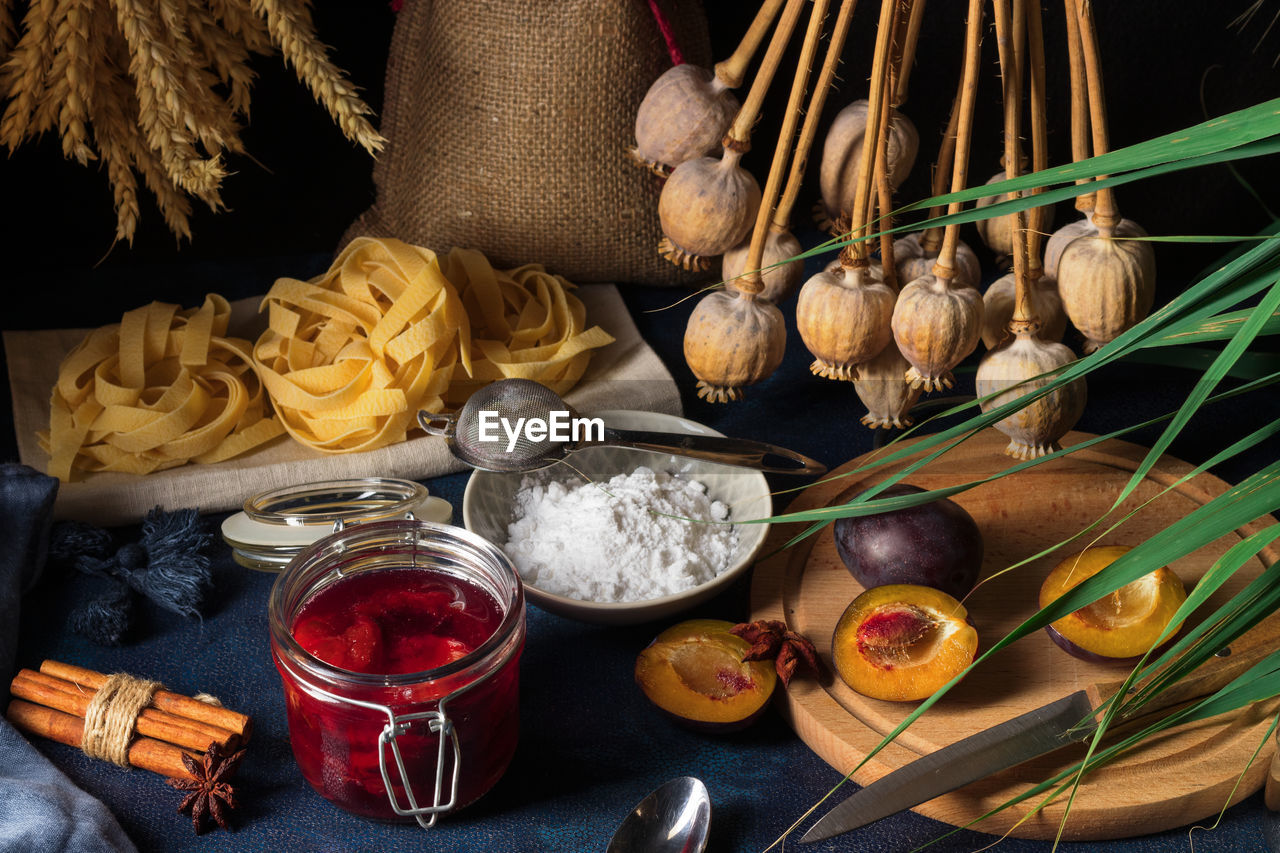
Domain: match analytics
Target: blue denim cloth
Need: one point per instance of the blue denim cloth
(40, 808)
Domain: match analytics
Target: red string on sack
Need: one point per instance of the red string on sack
(668, 35)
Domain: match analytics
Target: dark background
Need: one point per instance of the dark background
(308, 182)
(587, 756)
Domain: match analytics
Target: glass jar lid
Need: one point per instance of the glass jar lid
(275, 525)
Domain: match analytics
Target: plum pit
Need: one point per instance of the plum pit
(898, 635)
(710, 669)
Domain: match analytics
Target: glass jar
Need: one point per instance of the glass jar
(400, 746)
(275, 526)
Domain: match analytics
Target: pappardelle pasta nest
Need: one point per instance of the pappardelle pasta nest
(347, 360)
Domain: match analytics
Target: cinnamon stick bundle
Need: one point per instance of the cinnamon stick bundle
(174, 703)
(71, 698)
(54, 702)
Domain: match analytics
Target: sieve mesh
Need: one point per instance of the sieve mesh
(511, 399)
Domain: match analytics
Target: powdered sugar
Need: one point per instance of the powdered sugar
(613, 541)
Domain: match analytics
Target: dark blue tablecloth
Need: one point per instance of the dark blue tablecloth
(590, 746)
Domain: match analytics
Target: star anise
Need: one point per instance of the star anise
(210, 792)
(773, 640)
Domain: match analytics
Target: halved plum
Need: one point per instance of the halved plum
(1119, 627)
(694, 672)
(901, 642)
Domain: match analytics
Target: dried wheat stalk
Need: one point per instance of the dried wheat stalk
(155, 89)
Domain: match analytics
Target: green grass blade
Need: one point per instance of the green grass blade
(1214, 136)
(1216, 328)
(1204, 386)
(1256, 601)
(862, 504)
(1235, 280)
(1249, 365)
(1022, 203)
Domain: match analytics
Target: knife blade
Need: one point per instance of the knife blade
(1037, 732)
(967, 760)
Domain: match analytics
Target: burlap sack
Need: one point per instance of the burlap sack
(508, 126)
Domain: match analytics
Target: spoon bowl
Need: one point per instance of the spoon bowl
(675, 818)
(518, 425)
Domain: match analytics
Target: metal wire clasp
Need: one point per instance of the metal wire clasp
(439, 724)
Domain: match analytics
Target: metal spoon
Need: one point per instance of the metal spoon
(673, 819)
(475, 437)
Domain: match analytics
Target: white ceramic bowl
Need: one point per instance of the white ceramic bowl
(487, 509)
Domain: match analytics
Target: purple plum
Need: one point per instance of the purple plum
(936, 544)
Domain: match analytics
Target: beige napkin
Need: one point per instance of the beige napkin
(627, 374)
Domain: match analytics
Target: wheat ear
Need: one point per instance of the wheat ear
(24, 73)
(289, 22)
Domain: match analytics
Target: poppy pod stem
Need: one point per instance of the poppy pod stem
(1079, 104)
(733, 70)
(1105, 214)
(964, 134)
(739, 136)
(773, 184)
(875, 116)
(1008, 41)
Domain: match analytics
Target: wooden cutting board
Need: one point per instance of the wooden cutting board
(1183, 776)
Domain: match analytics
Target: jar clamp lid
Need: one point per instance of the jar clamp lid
(413, 543)
(276, 525)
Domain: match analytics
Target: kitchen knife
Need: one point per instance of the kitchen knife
(1062, 722)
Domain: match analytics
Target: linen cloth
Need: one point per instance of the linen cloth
(626, 374)
(40, 809)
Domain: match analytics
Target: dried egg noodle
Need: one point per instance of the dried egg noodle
(161, 388)
(350, 356)
(525, 324)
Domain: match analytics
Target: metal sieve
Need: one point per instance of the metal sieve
(499, 407)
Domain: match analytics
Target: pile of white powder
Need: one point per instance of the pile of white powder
(613, 541)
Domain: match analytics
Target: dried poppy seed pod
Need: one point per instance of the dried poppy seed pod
(1034, 430)
(842, 156)
(684, 115)
(1107, 286)
(914, 259)
(1063, 237)
(882, 387)
(907, 248)
(1084, 227)
(707, 207)
(843, 318)
(936, 323)
(733, 339)
(777, 279)
(997, 232)
(997, 310)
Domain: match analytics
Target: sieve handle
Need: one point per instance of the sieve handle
(742, 452)
(443, 424)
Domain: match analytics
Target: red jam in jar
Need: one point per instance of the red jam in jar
(396, 621)
(379, 630)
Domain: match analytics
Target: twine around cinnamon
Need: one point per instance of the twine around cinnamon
(112, 715)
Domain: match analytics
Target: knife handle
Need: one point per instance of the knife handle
(1212, 675)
